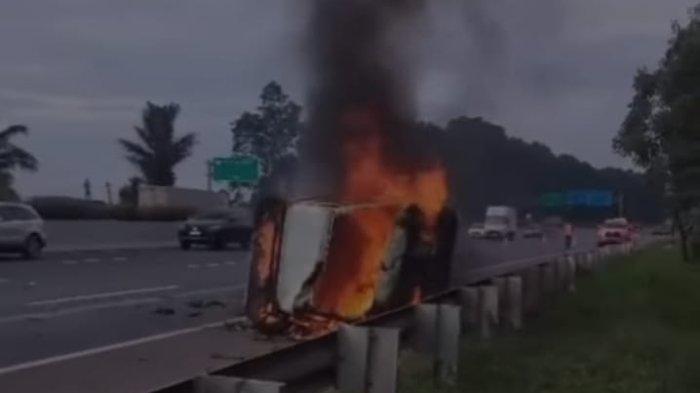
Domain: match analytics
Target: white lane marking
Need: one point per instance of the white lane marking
(230, 263)
(3, 280)
(193, 266)
(119, 259)
(207, 291)
(212, 265)
(91, 260)
(103, 295)
(77, 310)
(112, 347)
(69, 262)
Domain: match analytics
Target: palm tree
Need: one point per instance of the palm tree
(159, 151)
(13, 157)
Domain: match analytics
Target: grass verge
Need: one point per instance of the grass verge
(633, 328)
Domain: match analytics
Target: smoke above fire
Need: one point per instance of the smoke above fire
(361, 96)
(391, 234)
(364, 142)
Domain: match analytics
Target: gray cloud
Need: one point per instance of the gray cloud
(77, 72)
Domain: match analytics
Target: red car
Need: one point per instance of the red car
(614, 231)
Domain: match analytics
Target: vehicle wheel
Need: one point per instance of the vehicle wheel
(216, 244)
(185, 245)
(32, 247)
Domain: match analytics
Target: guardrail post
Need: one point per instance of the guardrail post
(596, 257)
(514, 302)
(571, 274)
(604, 259)
(479, 309)
(368, 359)
(510, 300)
(548, 275)
(437, 333)
(629, 247)
(488, 310)
(618, 249)
(561, 267)
(469, 302)
(532, 289)
(585, 262)
(223, 384)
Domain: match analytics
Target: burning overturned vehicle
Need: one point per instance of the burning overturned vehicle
(316, 264)
(386, 237)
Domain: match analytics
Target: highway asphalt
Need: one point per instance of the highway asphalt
(72, 301)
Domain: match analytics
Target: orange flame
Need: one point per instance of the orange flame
(362, 237)
(265, 242)
(417, 296)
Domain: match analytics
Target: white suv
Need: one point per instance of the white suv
(21, 230)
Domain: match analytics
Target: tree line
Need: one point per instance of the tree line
(484, 164)
(661, 131)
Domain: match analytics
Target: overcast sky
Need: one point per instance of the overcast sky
(78, 72)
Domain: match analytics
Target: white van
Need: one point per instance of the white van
(501, 222)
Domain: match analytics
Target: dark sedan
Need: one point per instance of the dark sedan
(217, 228)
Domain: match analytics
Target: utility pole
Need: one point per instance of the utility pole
(209, 175)
(108, 186)
(621, 205)
(87, 188)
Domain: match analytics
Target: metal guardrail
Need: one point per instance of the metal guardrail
(310, 365)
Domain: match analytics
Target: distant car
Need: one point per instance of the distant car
(553, 222)
(614, 231)
(476, 231)
(21, 230)
(217, 228)
(533, 231)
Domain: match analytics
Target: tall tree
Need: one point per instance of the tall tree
(159, 151)
(661, 132)
(271, 132)
(13, 157)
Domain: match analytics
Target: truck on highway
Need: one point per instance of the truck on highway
(501, 222)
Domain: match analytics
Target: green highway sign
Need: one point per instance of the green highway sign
(238, 169)
(578, 198)
(553, 199)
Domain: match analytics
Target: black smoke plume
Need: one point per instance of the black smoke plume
(357, 68)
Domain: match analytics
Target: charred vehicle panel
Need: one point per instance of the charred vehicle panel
(318, 263)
